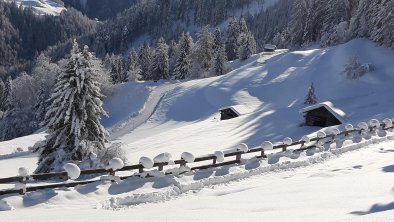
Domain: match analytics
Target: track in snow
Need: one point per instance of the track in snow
(143, 115)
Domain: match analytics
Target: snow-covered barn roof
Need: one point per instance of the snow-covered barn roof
(238, 109)
(338, 113)
(270, 46)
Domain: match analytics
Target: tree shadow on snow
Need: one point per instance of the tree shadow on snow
(388, 169)
(202, 174)
(38, 197)
(376, 208)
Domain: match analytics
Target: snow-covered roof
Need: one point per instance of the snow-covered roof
(338, 113)
(269, 46)
(238, 109)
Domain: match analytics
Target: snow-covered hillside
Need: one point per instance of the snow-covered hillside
(353, 183)
(274, 91)
(41, 7)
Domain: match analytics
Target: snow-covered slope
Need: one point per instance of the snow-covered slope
(187, 118)
(330, 185)
(41, 7)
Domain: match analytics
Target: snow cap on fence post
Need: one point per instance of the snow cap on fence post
(363, 126)
(219, 156)
(321, 134)
(387, 123)
(242, 147)
(267, 145)
(188, 157)
(162, 158)
(23, 172)
(72, 170)
(146, 162)
(374, 123)
(115, 164)
(287, 141)
(335, 131)
(305, 139)
(349, 127)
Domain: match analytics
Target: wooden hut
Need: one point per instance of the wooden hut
(323, 115)
(233, 111)
(269, 48)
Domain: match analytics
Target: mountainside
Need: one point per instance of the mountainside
(41, 7)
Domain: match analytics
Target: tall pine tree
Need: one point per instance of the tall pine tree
(73, 118)
(183, 64)
(160, 61)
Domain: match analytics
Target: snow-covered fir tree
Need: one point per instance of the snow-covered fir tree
(2, 95)
(310, 97)
(40, 105)
(73, 118)
(232, 34)
(219, 63)
(217, 39)
(161, 61)
(173, 52)
(203, 53)
(247, 45)
(183, 64)
(134, 69)
(145, 59)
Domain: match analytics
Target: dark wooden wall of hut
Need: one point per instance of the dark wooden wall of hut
(320, 117)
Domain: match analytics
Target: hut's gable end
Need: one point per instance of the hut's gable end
(320, 117)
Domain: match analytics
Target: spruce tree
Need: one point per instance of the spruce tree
(134, 69)
(310, 97)
(183, 64)
(232, 39)
(145, 61)
(73, 118)
(2, 95)
(219, 64)
(247, 45)
(160, 61)
(204, 49)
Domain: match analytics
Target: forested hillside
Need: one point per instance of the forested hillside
(23, 34)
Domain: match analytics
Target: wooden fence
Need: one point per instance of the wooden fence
(237, 156)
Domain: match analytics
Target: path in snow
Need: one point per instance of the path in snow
(144, 114)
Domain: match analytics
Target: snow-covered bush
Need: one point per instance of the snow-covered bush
(355, 70)
(113, 151)
(72, 170)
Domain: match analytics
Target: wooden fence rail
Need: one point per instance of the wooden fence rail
(237, 154)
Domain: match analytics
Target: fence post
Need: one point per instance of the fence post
(160, 166)
(238, 157)
(262, 153)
